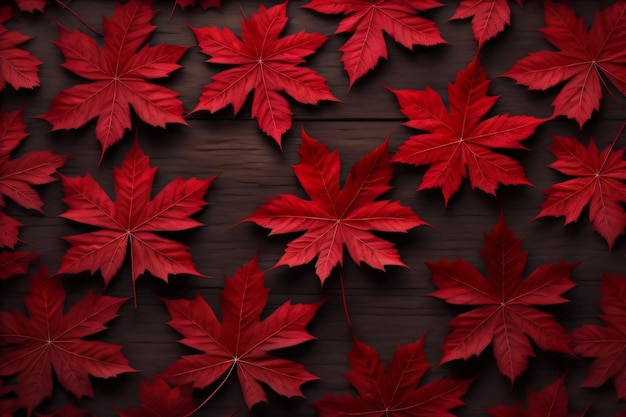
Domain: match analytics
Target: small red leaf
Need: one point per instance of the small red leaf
(158, 399)
(332, 217)
(393, 391)
(18, 68)
(265, 63)
(585, 60)
(242, 340)
(15, 263)
(370, 20)
(607, 344)
(132, 219)
(47, 339)
(599, 183)
(489, 17)
(504, 314)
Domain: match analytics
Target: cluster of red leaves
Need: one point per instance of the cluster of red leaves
(458, 143)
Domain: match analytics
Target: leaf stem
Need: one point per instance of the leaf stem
(206, 400)
(77, 16)
(344, 301)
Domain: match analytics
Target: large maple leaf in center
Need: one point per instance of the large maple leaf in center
(132, 219)
(265, 63)
(504, 315)
(242, 340)
(119, 71)
(460, 142)
(335, 217)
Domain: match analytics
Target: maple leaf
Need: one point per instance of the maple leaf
(47, 339)
(552, 401)
(392, 391)
(17, 67)
(582, 59)
(599, 182)
(15, 263)
(489, 17)
(504, 315)
(133, 218)
(369, 20)
(335, 217)
(607, 344)
(242, 340)
(158, 399)
(266, 64)
(461, 142)
(120, 72)
(18, 175)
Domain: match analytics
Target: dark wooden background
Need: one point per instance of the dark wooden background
(386, 308)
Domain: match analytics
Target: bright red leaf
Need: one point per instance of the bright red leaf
(242, 340)
(15, 263)
(132, 219)
(599, 183)
(489, 17)
(47, 339)
(17, 67)
(607, 344)
(552, 401)
(8, 230)
(460, 142)
(369, 20)
(120, 72)
(17, 176)
(504, 315)
(393, 391)
(334, 217)
(584, 62)
(264, 63)
(158, 399)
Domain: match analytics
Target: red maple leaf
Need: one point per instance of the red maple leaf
(15, 263)
(158, 399)
(504, 315)
(392, 391)
(335, 217)
(582, 59)
(599, 182)
(17, 67)
(47, 339)
(119, 72)
(370, 20)
(8, 405)
(242, 340)
(8, 230)
(460, 142)
(17, 176)
(552, 401)
(132, 219)
(266, 64)
(606, 343)
(488, 17)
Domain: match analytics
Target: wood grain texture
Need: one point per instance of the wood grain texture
(387, 308)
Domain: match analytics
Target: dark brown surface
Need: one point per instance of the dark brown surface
(386, 308)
